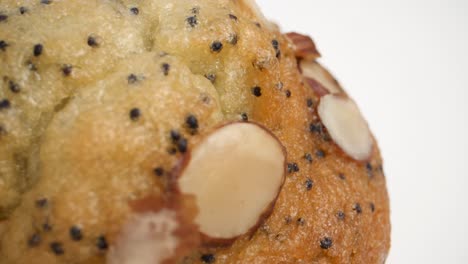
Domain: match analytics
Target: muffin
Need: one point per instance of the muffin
(178, 132)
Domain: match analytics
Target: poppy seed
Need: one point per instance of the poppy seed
(216, 46)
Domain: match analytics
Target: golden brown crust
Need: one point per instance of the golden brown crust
(347, 203)
(89, 154)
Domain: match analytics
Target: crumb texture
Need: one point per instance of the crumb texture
(100, 99)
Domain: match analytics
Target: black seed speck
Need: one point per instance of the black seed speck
(3, 45)
(233, 17)
(192, 21)
(288, 93)
(46, 2)
(342, 176)
(244, 117)
(75, 233)
(316, 127)
(135, 114)
(357, 208)
(57, 248)
(293, 167)
(372, 207)
(34, 240)
(182, 145)
(67, 69)
(165, 67)
(37, 50)
(135, 10)
(320, 153)
(308, 157)
(42, 203)
(175, 135)
(211, 77)
(192, 122)
(216, 46)
(101, 243)
(233, 38)
(132, 78)
(340, 215)
(158, 171)
(23, 10)
(326, 243)
(3, 17)
(369, 170)
(309, 184)
(310, 102)
(208, 258)
(5, 104)
(14, 87)
(275, 45)
(258, 25)
(92, 42)
(257, 91)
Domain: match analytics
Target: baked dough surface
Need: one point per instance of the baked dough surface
(90, 93)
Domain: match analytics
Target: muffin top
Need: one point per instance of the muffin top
(101, 100)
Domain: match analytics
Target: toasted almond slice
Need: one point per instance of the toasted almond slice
(235, 174)
(160, 231)
(313, 70)
(317, 87)
(304, 46)
(148, 238)
(346, 125)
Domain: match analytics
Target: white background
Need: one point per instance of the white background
(406, 64)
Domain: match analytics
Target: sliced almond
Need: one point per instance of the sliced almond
(304, 46)
(235, 174)
(346, 125)
(313, 70)
(148, 238)
(160, 231)
(317, 87)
